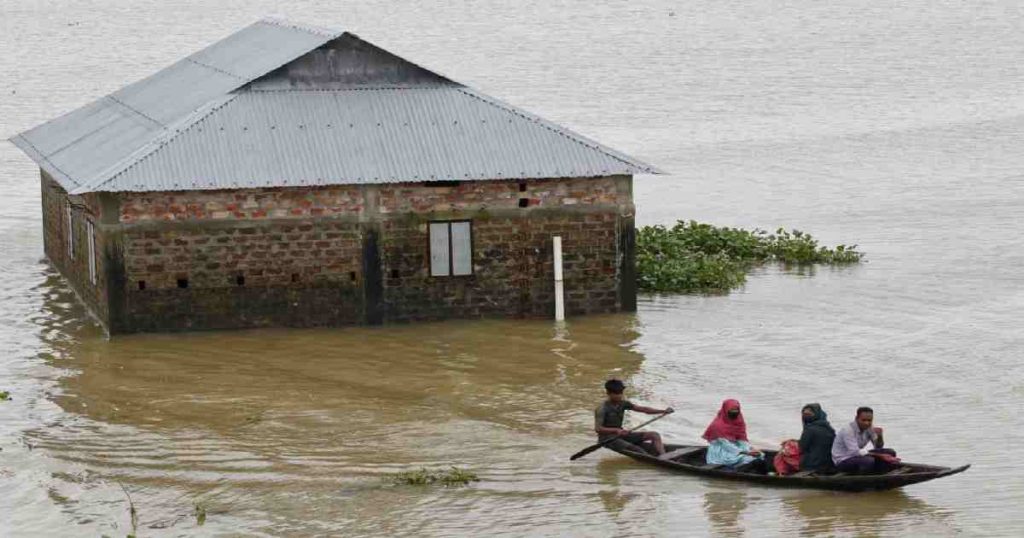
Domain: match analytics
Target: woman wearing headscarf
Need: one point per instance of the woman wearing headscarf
(816, 439)
(727, 438)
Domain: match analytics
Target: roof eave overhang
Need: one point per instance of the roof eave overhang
(27, 148)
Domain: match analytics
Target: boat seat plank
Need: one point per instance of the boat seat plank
(710, 466)
(800, 474)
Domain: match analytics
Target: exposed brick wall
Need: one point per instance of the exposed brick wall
(242, 204)
(348, 200)
(475, 195)
(265, 254)
(55, 243)
(309, 256)
(247, 274)
(513, 268)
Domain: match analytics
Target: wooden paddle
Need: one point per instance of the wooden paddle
(592, 448)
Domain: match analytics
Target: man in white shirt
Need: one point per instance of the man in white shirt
(858, 447)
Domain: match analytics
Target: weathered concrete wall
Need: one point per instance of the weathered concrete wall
(360, 254)
(55, 243)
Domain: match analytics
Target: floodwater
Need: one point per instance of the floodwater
(895, 125)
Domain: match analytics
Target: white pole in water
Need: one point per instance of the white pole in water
(559, 291)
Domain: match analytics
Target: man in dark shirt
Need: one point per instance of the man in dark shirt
(609, 415)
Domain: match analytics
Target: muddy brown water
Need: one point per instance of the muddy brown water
(894, 126)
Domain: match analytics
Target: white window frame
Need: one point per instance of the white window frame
(90, 235)
(71, 230)
(450, 256)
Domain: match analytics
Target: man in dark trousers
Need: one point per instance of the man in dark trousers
(609, 415)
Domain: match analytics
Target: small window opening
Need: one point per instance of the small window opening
(182, 283)
(451, 248)
(90, 236)
(142, 285)
(71, 231)
(240, 280)
(522, 187)
(524, 202)
(352, 276)
(295, 277)
(395, 273)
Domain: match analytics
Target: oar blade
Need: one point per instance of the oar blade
(585, 451)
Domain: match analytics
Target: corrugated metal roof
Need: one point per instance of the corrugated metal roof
(200, 124)
(90, 144)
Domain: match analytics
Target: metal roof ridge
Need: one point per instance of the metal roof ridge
(563, 131)
(152, 147)
(316, 30)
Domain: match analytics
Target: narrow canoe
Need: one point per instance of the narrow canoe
(690, 459)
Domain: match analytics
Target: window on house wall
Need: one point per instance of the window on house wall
(90, 235)
(451, 248)
(71, 230)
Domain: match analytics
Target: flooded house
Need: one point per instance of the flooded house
(297, 176)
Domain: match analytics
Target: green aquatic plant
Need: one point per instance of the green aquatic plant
(4, 395)
(200, 513)
(423, 477)
(698, 257)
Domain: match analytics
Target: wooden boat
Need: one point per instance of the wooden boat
(690, 459)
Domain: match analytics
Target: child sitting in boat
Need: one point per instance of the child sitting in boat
(727, 440)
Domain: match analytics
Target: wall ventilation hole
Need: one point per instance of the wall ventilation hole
(240, 280)
(295, 277)
(352, 276)
(524, 202)
(142, 285)
(394, 273)
(182, 283)
(522, 187)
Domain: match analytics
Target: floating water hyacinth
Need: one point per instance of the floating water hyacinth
(422, 477)
(698, 257)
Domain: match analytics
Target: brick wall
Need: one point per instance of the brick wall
(247, 274)
(512, 247)
(348, 200)
(513, 268)
(476, 195)
(309, 256)
(75, 269)
(241, 204)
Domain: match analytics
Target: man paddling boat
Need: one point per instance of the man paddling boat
(609, 415)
